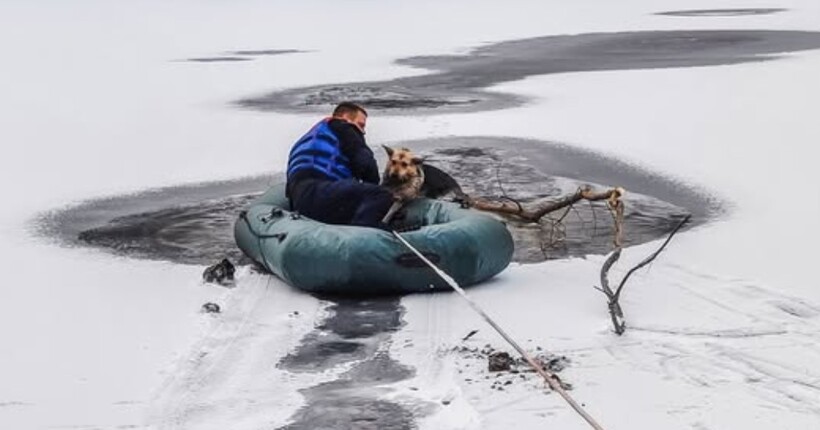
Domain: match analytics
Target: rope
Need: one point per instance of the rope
(244, 216)
(548, 376)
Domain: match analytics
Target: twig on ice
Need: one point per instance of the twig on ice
(613, 297)
(654, 255)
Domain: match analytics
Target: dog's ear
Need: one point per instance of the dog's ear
(388, 149)
(418, 160)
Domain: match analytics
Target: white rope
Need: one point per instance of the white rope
(548, 376)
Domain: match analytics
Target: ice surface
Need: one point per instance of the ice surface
(723, 326)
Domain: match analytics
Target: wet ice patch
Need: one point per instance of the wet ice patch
(265, 52)
(242, 55)
(457, 83)
(195, 234)
(380, 98)
(190, 224)
(581, 229)
(194, 224)
(722, 12)
(217, 59)
(355, 333)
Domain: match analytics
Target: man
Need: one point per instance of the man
(332, 176)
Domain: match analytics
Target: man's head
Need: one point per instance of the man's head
(352, 113)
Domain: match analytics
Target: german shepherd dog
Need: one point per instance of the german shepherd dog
(408, 177)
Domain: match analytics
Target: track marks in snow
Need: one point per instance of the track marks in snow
(229, 378)
(793, 386)
(734, 307)
(439, 400)
(700, 348)
(731, 338)
(730, 333)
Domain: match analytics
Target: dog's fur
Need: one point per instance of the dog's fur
(408, 178)
(403, 174)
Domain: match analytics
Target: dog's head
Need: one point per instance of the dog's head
(401, 166)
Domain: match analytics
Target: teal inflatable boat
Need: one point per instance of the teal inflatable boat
(469, 246)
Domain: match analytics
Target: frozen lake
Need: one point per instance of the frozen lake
(122, 129)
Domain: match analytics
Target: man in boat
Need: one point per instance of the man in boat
(332, 176)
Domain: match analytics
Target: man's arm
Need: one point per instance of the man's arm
(352, 144)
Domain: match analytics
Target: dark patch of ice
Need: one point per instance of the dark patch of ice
(242, 55)
(14, 403)
(722, 12)
(194, 224)
(353, 399)
(217, 59)
(346, 411)
(265, 52)
(457, 82)
(350, 333)
(189, 224)
(526, 170)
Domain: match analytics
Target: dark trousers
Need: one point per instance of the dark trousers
(341, 202)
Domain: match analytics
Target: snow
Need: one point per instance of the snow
(723, 327)
(237, 355)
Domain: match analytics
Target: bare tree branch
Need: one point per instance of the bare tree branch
(649, 259)
(613, 297)
(537, 210)
(615, 312)
(616, 208)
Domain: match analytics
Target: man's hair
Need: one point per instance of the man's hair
(348, 107)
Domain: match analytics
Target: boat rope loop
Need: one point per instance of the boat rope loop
(259, 236)
(281, 236)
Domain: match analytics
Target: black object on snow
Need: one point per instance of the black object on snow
(211, 308)
(220, 273)
(499, 361)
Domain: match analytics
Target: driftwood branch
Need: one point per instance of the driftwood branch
(651, 257)
(613, 297)
(616, 208)
(616, 314)
(536, 210)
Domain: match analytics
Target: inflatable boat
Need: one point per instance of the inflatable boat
(469, 246)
